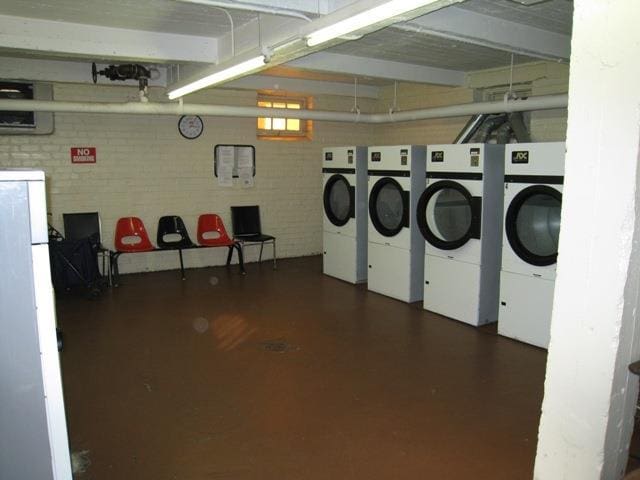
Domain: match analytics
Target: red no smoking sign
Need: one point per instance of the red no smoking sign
(83, 154)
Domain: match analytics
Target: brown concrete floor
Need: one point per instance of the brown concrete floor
(170, 379)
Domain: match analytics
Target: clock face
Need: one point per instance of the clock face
(190, 126)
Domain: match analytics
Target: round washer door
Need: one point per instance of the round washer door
(532, 224)
(338, 200)
(448, 216)
(388, 207)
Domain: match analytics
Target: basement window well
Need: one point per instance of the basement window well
(275, 128)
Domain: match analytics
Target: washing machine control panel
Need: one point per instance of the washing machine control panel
(343, 157)
(394, 158)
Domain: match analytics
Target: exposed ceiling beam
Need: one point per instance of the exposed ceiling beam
(14, 68)
(305, 6)
(96, 42)
(311, 7)
(291, 44)
(471, 27)
(267, 82)
(371, 67)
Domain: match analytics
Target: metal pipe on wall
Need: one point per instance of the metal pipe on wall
(546, 102)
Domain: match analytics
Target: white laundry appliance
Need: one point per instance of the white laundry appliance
(345, 213)
(460, 217)
(396, 248)
(33, 423)
(534, 174)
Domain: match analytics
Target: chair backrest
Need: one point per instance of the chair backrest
(246, 220)
(78, 226)
(127, 229)
(210, 223)
(172, 233)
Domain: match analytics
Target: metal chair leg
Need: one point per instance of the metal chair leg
(110, 271)
(261, 247)
(115, 268)
(230, 254)
(181, 264)
(241, 259)
(274, 253)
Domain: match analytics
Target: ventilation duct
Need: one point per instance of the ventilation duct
(500, 128)
(503, 133)
(471, 128)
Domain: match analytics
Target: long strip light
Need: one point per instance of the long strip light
(219, 77)
(364, 19)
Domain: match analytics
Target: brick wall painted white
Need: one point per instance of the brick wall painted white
(145, 168)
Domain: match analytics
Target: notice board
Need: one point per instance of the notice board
(236, 157)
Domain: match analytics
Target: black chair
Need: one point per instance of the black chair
(86, 225)
(245, 222)
(173, 235)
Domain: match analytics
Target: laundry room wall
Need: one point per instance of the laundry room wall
(145, 168)
(412, 96)
(538, 78)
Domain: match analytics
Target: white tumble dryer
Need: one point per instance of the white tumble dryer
(534, 174)
(345, 213)
(396, 248)
(460, 217)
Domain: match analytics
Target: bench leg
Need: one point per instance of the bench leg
(181, 264)
(230, 254)
(240, 259)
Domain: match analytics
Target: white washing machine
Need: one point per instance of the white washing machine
(534, 174)
(345, 213)
(460, 217)
(396, 248)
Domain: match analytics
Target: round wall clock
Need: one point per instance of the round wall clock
(190, 126)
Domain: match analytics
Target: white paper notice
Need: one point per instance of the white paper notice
(245, 157)
(225, 177)
(225, 158)
(246, 176)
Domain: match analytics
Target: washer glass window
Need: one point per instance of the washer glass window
(538, 224)
(449, 215)
(532, 224)
(338, 200)
(390, 207)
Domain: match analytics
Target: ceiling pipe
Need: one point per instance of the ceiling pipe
(546, 102)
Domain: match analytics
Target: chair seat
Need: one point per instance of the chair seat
(254, 238)
(181, 245)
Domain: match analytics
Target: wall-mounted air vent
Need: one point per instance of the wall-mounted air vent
(25, 123)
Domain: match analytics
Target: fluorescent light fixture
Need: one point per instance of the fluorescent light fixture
(364, 19)
(219, 77)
